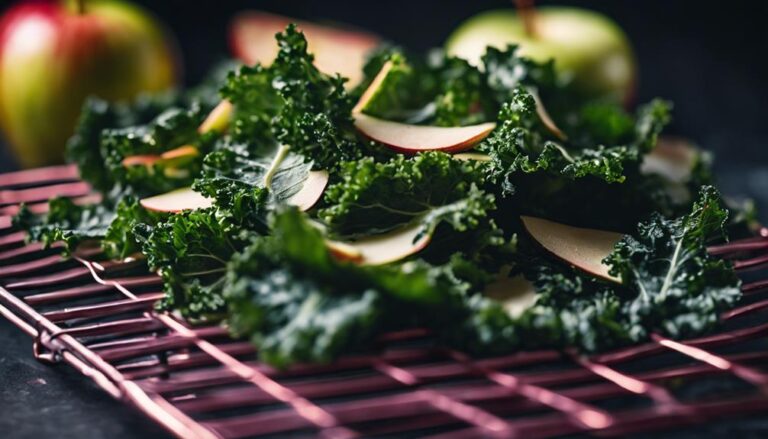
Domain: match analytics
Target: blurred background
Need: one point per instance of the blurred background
(709, 57)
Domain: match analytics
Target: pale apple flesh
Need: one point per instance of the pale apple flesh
(382, 249)
(311, 192)
(411, 139)
(218, 119)
(672, 158)
(175, 157)
(52, 58)
(582, 248)
(516, 294)
(177, 201)
(589, 49)
(252, 37)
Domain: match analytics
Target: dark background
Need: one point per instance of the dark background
(710, 58)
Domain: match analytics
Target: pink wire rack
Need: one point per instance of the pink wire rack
(198, 382)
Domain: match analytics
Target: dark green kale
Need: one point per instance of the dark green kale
(246, 183)
(67, 222)
(298, 303)
(119, 240)
(374, 197)
(678, 288)
(190, 250)
(520, 145)
(292, 103)
(83, 148)
(171, 129)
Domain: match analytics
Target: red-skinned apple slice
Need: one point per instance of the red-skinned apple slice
(179, 154)
(382, 249)
(252, 37)
(516, 294)
(311, 192)
(177, 201)
(411, 139)
(583, 248)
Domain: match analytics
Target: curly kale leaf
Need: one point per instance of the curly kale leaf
(171, 129)
(520, 145)
(67, 222)
(298, 303)
(679, 288)
(119, 240)
(292, 103)
(246, 183)
(376, 197)
(190, 250)
(74, 224)
(83, 148)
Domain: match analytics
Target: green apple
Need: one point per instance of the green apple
(54, 55)
(589, 49)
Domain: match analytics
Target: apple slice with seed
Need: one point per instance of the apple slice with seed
(411, 139)
(582, 248)
(384, 248)
(516, 294)
(311, 192)
(177, 201)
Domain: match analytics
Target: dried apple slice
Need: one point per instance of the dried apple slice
(218, 118)
(382, 249)
(411, 139)
(672, 158)
(311, 192)
(474, 156)
(583, 248)
(177, 201)
(516, 294)
(336, 50)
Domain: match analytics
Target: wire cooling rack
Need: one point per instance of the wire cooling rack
(197, 382)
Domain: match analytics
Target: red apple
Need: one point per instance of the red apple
(585, 249)
(336, 50)
(53, 55)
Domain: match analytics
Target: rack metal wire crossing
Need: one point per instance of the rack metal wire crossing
(198, 382)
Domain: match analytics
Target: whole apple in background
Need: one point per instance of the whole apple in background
(588, 48)
(54, 55)
(336, 50)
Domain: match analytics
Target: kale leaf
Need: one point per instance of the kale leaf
(679, 288)
(190, 250)
(292, 103)
(298, 303)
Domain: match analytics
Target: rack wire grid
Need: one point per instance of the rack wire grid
(198, 382)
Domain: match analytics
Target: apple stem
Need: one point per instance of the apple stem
(81, 7)
(527, 13)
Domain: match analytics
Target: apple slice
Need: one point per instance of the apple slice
(475, 156)
(310, 193)
(252, 37)
(177, 201)
(585, 249)
(218, 118)
(516, 294)
(673, 158)
(173, 157)
(382, 249)
(410, 139)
